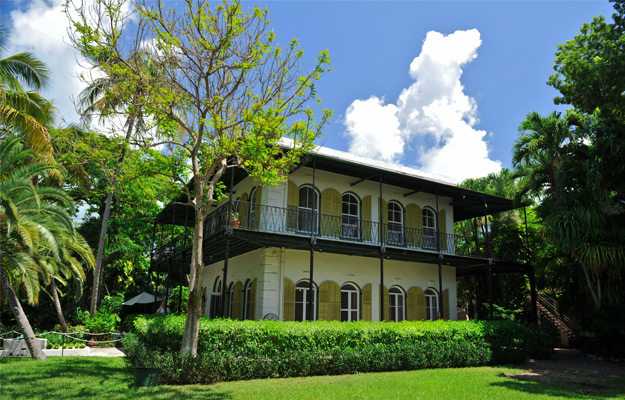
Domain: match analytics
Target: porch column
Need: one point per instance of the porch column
(313, 240)
(160, 245)
(490, 264)
(151, 255)
(440, 256)
(224, 281)
(382, 251)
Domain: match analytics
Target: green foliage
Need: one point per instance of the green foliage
(102, 323)
(56, 341)
(231, 350)
(112, 304)
(174, 298)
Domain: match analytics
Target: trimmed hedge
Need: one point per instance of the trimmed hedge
(233, 350)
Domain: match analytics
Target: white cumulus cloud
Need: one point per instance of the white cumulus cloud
(373, 129)
(433, 114)
(41, 28)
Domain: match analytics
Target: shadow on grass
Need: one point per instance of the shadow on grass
(565, 383)
(85, 377)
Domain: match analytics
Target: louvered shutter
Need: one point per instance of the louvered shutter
(288, 305)
(292, 206)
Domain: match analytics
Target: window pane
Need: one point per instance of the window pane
(299, 295)
(344, 316)
(354, 300)
(344, 298)
(354, 316)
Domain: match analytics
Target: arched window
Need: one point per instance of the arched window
(351, 216)
(396, 304)
(350, 303)
(308, 200)
(247, 299)
(215, 299)
(251, 221)
(395, 223)
(302, 297)
(431, 305)
(429, 228)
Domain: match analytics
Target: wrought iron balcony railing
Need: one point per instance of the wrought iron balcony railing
(301, 222)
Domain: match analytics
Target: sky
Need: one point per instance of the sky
(440, 86)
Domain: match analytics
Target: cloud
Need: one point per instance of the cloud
(433, 114)
(41, 28)
(373, 129)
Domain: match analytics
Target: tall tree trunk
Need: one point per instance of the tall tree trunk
(29, 336)
(57, 305)
(194, 305)
(95, 293)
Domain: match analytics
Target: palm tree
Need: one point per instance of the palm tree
(33, 220)
(22, 112)
(96, 100)
(554, 159)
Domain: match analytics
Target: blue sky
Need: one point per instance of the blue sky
(455, 112)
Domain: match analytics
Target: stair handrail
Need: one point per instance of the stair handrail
(551, 305)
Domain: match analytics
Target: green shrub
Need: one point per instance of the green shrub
(174, 298)
(112, 304)
(231, 350)
(128, 324)
(102, 323)
(72, 338)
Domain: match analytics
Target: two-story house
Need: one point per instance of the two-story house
(344, 238)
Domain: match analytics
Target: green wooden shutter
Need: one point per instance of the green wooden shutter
(329, 301)
(244, 209)
(292, 206)
(414, 224)
(258, 208)
(365, 312)
(383, 229)
(252, 315)
(331, 208)
(365, 213)
(387, 304)
(237, 299)
(288, 305)
(415, 304)
(446, 304)
(442, 227)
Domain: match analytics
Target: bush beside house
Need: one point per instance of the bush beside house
(234, 350)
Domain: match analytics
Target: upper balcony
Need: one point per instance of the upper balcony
(256, 225)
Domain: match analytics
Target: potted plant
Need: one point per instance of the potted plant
(234, 219)
(143, 361)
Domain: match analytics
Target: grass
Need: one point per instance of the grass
(108, 378)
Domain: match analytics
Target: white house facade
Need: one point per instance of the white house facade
(343, 238)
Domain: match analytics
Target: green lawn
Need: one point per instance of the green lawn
(107, 378)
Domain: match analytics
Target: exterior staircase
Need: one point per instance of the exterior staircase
(548, 310)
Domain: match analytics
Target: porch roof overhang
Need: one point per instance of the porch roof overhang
(466, 203)
(244, 241)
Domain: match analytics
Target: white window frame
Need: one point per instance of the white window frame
(304, 286)
(350, 307)
(429, 228)
(395, 228)
(431, 304)
(350, 222)
(215, 297)
(247, 292)
(304, 212)
(395, 313)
